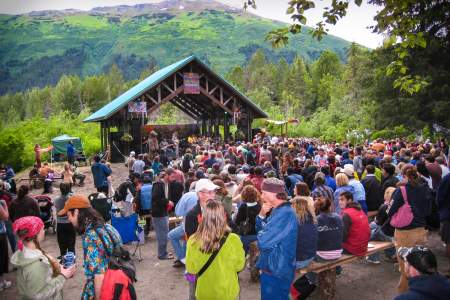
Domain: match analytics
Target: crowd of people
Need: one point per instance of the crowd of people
(295, 200)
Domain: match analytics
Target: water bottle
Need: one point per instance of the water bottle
(68, 259)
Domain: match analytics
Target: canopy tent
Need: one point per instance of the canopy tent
(283, 124)
(60, 144)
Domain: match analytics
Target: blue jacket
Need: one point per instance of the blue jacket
(100, 172)
(427, 287)
(329, 181)
(277, 237)
(291, 181)
(70, 150)
(443, 199)
(146, 196)
(339, 190)
(306, 239)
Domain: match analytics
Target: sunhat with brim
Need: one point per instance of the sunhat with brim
(75, 201)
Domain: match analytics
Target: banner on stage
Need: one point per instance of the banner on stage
(137, 107)
(191, 83)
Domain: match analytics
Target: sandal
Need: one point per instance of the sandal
(169, 256)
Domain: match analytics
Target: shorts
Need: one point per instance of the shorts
(445, 231)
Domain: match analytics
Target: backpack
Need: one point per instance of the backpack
(404, 216)
(121, 193)
(120, 275)
(245, 227)
(186, 164)
(102, 205)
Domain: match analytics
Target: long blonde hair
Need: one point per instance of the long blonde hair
(302, 209)
(212, 228)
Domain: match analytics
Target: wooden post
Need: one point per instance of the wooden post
(203, 126)
(327, 284)
(216, 126)
(209, 128)
(101, 136)
(226, 128)
(249, 128)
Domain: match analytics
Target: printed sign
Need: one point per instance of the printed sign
(137, 107)
(191, 83)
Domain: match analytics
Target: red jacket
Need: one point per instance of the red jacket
(359, 232)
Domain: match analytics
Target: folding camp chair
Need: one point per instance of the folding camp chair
(129, 231)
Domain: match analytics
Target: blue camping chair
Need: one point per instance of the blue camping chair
(129, 230)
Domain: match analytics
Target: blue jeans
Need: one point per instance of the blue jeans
(247, 240)
(11, 235)
(175, 237)
(274, 288)
(161, 227)
(376, 234)
(304, 263)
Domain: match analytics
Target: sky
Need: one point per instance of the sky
(353, 27)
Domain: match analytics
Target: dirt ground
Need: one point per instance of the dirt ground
(157, 280)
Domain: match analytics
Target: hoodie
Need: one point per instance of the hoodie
(34, 276)
(427, 287)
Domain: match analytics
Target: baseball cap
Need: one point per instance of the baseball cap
(205, 184)
(75, 201)
(420, 257)
(319, 175)
(349, 170)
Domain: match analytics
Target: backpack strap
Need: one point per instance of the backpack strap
(213, 256)
(404, 194)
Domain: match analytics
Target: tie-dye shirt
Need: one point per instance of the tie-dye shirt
(96, 259)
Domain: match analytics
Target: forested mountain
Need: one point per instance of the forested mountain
(39, 47)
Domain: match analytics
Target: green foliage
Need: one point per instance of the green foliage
(17, 141)
(11, 148)
(410, 25)
(38, 50)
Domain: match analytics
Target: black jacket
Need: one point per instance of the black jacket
(420, 199)
(374, 193)
(175, 191)
(191, 220)
(390, 181)
(253, 211)
(427, 287)
(159, 200)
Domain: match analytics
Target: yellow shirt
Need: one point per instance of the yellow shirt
(220, 280)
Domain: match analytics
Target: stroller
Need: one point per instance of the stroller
(46, 211)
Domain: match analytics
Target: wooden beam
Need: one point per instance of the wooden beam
(166, 99)
(196, 105)
(215, 100)
(193, 106)
(228, 100)
(167, 87)
(146, 95)
(183, 109)
(158, 88)
(221, 95)
(213, 90)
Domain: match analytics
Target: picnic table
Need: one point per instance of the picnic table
(327, 270)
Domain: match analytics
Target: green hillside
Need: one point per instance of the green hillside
(38, 48)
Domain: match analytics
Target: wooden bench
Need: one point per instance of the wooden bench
(327, 270)
(175, 220)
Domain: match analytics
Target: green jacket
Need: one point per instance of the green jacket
(34, 278)
(220, 280)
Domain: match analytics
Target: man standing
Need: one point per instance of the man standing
(206, 190)
(70, 153)
(277, 237)
(138, 165)
(160, 216)
(100, 172)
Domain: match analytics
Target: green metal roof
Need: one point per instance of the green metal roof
(136, 91)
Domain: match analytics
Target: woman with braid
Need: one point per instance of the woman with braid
(39, 275)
